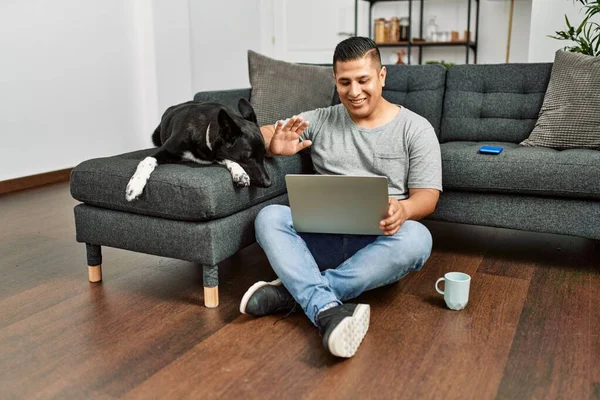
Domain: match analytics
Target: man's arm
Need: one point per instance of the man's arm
(268, 131)
(419, 204)
(426, 170)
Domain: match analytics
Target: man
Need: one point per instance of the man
(365, 135)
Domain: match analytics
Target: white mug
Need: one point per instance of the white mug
(456, 289)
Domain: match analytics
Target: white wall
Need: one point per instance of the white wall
(68, 85)
(493, 31)
(172, 44)
(298, 40)
(221, 34)
(90, 79)
(547, 17)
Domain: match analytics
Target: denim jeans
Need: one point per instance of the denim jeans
(320, 269)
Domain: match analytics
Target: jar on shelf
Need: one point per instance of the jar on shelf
(394, 30)
(467, 36)
(387, 31)
(380, 30)
(404, 29)
(432, 30)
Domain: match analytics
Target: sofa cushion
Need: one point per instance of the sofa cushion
(186, 192)
(420, 88)
(281, 89)
(228, 97)
(522, 170)
(493, 102)
(570, 115)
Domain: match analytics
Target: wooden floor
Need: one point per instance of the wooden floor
(531, 329)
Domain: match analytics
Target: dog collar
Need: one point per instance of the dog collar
(208, 137)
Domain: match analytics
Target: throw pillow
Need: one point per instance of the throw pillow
(570, 115)
(281, 89)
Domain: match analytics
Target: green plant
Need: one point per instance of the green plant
(444, 63)
(587, 34)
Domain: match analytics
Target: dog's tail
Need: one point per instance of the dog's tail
(156, 137)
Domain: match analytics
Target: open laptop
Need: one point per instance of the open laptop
(337, 203)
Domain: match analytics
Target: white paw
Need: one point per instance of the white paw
(241, 179)
(136, 184)
(239, 176)
(135, 187)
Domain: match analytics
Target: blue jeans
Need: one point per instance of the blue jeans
(320, 269)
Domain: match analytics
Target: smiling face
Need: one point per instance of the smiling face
(359, 84)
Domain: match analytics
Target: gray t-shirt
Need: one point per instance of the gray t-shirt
(405, 150)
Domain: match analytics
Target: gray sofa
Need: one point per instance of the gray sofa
(193, 212)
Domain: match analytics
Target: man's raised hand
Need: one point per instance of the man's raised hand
(285, 140)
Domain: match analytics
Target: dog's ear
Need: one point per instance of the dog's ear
(246, 110)
(229, 129)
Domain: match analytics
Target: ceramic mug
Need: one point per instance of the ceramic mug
(456, 289)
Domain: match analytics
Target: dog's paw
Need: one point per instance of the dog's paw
(136, 184)
(134, 189)
(239, 176)
(241, 179)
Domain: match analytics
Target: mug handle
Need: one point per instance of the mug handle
(436, 285)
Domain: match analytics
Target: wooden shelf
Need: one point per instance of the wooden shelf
(392, 44)
(383, 1)
(442, 44)
(470, 47)
(388, 1)
(426, 44)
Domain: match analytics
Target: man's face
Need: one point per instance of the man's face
(359, 84)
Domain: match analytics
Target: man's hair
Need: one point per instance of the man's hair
(355, 48)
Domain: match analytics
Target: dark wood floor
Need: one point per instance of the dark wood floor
(531, 329)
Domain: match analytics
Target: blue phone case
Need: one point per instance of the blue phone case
(490, 149)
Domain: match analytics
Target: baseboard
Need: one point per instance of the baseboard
(28, 182)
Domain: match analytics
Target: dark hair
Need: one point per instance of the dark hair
(355, 48)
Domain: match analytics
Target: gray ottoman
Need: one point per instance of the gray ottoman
(187, 211)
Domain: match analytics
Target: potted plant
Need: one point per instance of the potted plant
(586, 36)
(446, 64)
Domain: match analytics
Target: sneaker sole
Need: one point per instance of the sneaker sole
(254, 288)
(347, 336)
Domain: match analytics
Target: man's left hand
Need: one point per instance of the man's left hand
(395, 217)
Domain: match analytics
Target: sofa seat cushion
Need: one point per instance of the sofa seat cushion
(185, 192)
(522, 170)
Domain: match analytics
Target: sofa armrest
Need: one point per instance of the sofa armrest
(229, 97)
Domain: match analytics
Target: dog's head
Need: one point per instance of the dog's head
(243, 143)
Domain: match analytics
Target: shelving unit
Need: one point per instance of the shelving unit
(470, 46)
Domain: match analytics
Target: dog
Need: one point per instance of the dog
(207, 133)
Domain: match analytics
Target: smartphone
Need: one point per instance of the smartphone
(491, 149)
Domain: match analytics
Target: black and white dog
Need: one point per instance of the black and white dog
(207, 133)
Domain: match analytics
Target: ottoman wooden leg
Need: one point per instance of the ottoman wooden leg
(210, 275)
(94, 259)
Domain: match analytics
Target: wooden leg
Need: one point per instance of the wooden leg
(211, 297)
(210, 275)
(95, 273)
(94, 259)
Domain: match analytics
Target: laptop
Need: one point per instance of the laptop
(337, 203)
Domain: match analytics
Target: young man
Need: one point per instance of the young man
(365, 135)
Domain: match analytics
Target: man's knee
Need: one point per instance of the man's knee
(271, 217)
(417, 243)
